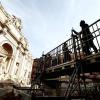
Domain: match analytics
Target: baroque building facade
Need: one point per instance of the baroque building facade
(15, 58)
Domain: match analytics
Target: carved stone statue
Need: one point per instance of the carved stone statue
(2, 64)
(17, 22)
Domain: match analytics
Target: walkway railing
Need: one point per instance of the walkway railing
(69, 50)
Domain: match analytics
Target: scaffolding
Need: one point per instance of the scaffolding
(81, 71)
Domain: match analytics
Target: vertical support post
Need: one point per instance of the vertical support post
(74, 46)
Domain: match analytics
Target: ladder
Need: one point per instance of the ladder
(72, 86)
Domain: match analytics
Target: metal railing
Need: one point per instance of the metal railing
(68, 52)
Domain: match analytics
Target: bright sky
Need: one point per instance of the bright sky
(48, 23)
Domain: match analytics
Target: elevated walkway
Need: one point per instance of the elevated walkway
(73, 63)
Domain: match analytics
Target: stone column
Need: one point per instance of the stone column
(21, 68)
(14, 60)
(9, 63)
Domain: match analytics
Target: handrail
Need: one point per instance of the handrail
(57, 54)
